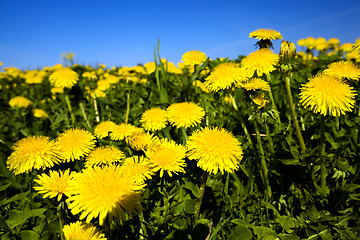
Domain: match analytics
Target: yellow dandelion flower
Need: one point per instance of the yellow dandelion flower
(265, 34)
(346, 47)
(138, 167)
(215, 149)
(185, 114)
(342, 70)
(356, 44)
(167, 156)
(103, 192)
(260, 100)
(327, 95)
(100, 94)
(256, 84)
(79, 230)
(194, 57)
(122, 131)
(104, 155)
(39, 113)
(53, 184)
(154, 119)
(103, 129)
(224, 75)
(150, 67)
(33, 152)
(64, 78)
(333, 42)
(56, 90)
(263, 61)
(140, 140)
(20, 102)
(75, 143)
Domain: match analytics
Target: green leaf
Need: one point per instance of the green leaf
(288, 237)
(29, 234)
(15, 198)
(261, 232)
(330, 139)
(240, 233)
(193, 188)
(287, 223)
(4, 187)
(326, 235)
(17, 217)
(290, 161)
(190, 205)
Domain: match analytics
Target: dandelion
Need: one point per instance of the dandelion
(140, 140)
(123, 130)
(185, 114)
(260, 100)
(64, 78)
(138, 167)
(342, 70)
(103, 129)
(39, 113)
(33, 152)
(154, 119)
(167, 156)
(20, 102)
(256, 84)
(194, 57)
(53, 184)
(327, 95)
(104, 155)
(101, 192)
(224, 76)
(75, 143)
(263, 61)
(79, 230)
(215, 149)
(266, 34)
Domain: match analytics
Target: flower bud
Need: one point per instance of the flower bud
(287, 49)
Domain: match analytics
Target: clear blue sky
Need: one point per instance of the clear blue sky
(35, 33)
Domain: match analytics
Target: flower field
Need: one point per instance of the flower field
(266, 146)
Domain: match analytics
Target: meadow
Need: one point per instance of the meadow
(265, 146)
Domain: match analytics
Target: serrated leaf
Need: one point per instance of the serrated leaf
(17, 217)
(330, 139)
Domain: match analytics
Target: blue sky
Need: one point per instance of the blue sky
(35, 33)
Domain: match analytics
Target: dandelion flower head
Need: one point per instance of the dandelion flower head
(104, 155)
(263, 61)
(63, 77)
(53, 184)
(79, 230)
(122, 131)
(265, 34)
(224, 76)
(154, 119)
(75, 143)
(185, 114)
(139, 168)
(327, 95)
(256, 84)
(20, 102)
(39, 113)
(167, 156)
(194, 57)
(100, 192)
(33, 152)
(140, 140)
(343, 70)
(103, 129)
(215, 149)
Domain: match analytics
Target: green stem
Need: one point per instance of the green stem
(273, 100)
(294, 116)
(270, 141)
(84, 115)
(265, 171)
(183, 130)
(67, 99)
(97, 117)
(322, 153)
(61, 220)
(127, 106)
(202, 191)
(242, 122)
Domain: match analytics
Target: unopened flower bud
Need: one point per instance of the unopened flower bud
(287, 49)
